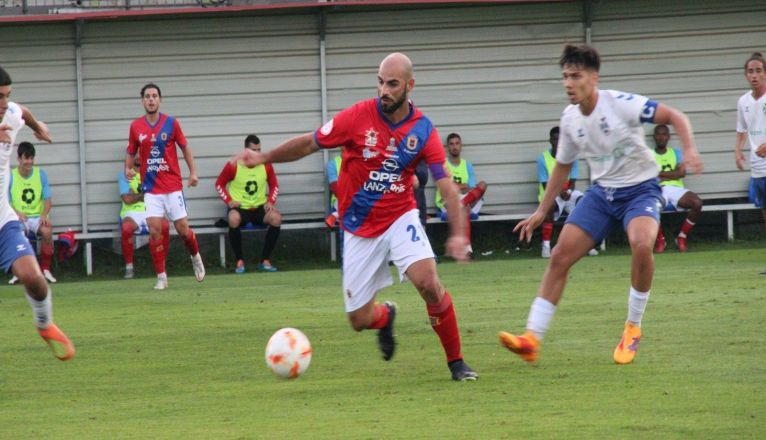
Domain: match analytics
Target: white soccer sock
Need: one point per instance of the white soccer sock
(129, 266)
(636, 306)
(546, 243)
(540, 315)
(42, 310)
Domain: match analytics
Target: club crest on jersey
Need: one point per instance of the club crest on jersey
(604, 126)
(368, 153)
(412, 142)
(370, 138)
(164, 136)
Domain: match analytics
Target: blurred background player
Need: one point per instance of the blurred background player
(672, 171)
(243, 190)
(154, 138)
(31, 199)
(383, 139)
(567, 198)
(133, 217)
(463, 175)
(751, 128)
(605, 127)
(16, 254)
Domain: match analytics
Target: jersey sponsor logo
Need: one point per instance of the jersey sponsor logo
(391, 144)
(153, 139)
(326, 128)
(370, 138)
(21, 247)
(390, 165)
(580, 133)
(155, 152)
(384, 182)
(141, 137)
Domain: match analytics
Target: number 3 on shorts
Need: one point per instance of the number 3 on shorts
(414, 231)
(180, 201)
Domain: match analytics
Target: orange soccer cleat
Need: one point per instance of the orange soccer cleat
(527, 346)
(61, 346)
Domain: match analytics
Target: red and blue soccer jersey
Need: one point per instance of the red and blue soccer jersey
(156, 145)
(379, 160)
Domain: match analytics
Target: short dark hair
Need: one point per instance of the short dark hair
(252, 139)
(581, 55)
(26, 149)
(554, 130)
(756, 56)
(453, 136)
(661, 126)
(5, 78)
(151, 86)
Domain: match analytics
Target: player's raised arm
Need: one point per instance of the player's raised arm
(288, 151)
(40, 128)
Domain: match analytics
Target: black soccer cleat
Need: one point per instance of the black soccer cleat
(461, 371)
(386, 340)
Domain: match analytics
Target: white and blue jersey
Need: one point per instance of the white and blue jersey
(611, 139)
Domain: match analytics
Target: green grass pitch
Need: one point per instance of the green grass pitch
(187, 363)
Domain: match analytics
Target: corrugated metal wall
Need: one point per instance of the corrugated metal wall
(488, 72)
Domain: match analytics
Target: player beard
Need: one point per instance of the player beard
(391, 108)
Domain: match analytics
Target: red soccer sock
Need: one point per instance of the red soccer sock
(190, 241)
(686, 228)
(547, 231)
(444, 323)
(157, 249)
(379, 316)
(472, 196)
(127, 242)
(46, 256)
(165, 238)
(660, 235)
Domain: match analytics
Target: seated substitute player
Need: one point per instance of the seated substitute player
(332, 171)
(383, 139)
(243, 189)
(676, 196)
(16, 254)
(133, 218)
(31, 199)
(463, 175)
(604, 127)
(567, 198)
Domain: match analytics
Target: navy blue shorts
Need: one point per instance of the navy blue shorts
(758, 191)
(602, 209)
(13, 244)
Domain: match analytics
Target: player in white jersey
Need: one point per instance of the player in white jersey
(16, 254)
(603, 127)
(751, 128)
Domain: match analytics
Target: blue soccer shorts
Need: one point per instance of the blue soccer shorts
(603, 209)
(13, 244)
(758, 191)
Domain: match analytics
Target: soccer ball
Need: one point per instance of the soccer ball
(288, 353)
